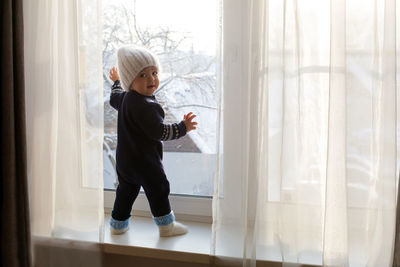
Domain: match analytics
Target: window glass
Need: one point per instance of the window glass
(183, 35)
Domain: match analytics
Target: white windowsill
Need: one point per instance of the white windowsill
(142, 239)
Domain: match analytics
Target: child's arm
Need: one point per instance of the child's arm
(186, 123)
(151, 122)
(117, 93)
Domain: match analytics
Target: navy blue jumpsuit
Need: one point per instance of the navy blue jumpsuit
(141, 130)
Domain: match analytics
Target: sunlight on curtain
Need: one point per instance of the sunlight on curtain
(309, 143)
(64, 118)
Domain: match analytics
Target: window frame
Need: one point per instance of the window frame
(185, 207)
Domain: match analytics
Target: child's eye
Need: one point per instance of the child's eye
(143, 75)
(155, 72)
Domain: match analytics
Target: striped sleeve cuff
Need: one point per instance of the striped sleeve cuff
(173, 131)
(116, 87)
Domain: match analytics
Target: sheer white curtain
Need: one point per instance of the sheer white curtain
(64, 118)
(308, 147)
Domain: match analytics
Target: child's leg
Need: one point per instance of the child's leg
(125, 196)
(157, 193)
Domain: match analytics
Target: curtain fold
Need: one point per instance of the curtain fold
(308, 133)
(15, 226)
(396, 252)
(64, 119)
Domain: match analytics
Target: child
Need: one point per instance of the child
(140, 132)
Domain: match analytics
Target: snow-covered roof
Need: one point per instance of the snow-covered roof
(193, 93)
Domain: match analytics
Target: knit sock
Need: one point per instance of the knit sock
(118, 227)
(167, 226)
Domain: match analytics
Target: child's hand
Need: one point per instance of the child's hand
(114, 74)
(187, 119)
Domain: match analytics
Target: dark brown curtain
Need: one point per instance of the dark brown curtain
(14, 221)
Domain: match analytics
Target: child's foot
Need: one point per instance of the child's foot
(173, 229)
(118, 227)
(167, 226)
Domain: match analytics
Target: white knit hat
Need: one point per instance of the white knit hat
(131, 61)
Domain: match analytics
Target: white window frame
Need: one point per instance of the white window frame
(185, 207)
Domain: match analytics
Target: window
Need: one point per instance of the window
(183, 35)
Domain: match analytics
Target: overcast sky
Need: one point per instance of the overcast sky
(198, 17)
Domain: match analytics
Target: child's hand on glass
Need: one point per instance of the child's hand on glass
(187, 119)
(114, 74)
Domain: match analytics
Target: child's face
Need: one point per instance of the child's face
(146, 82)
